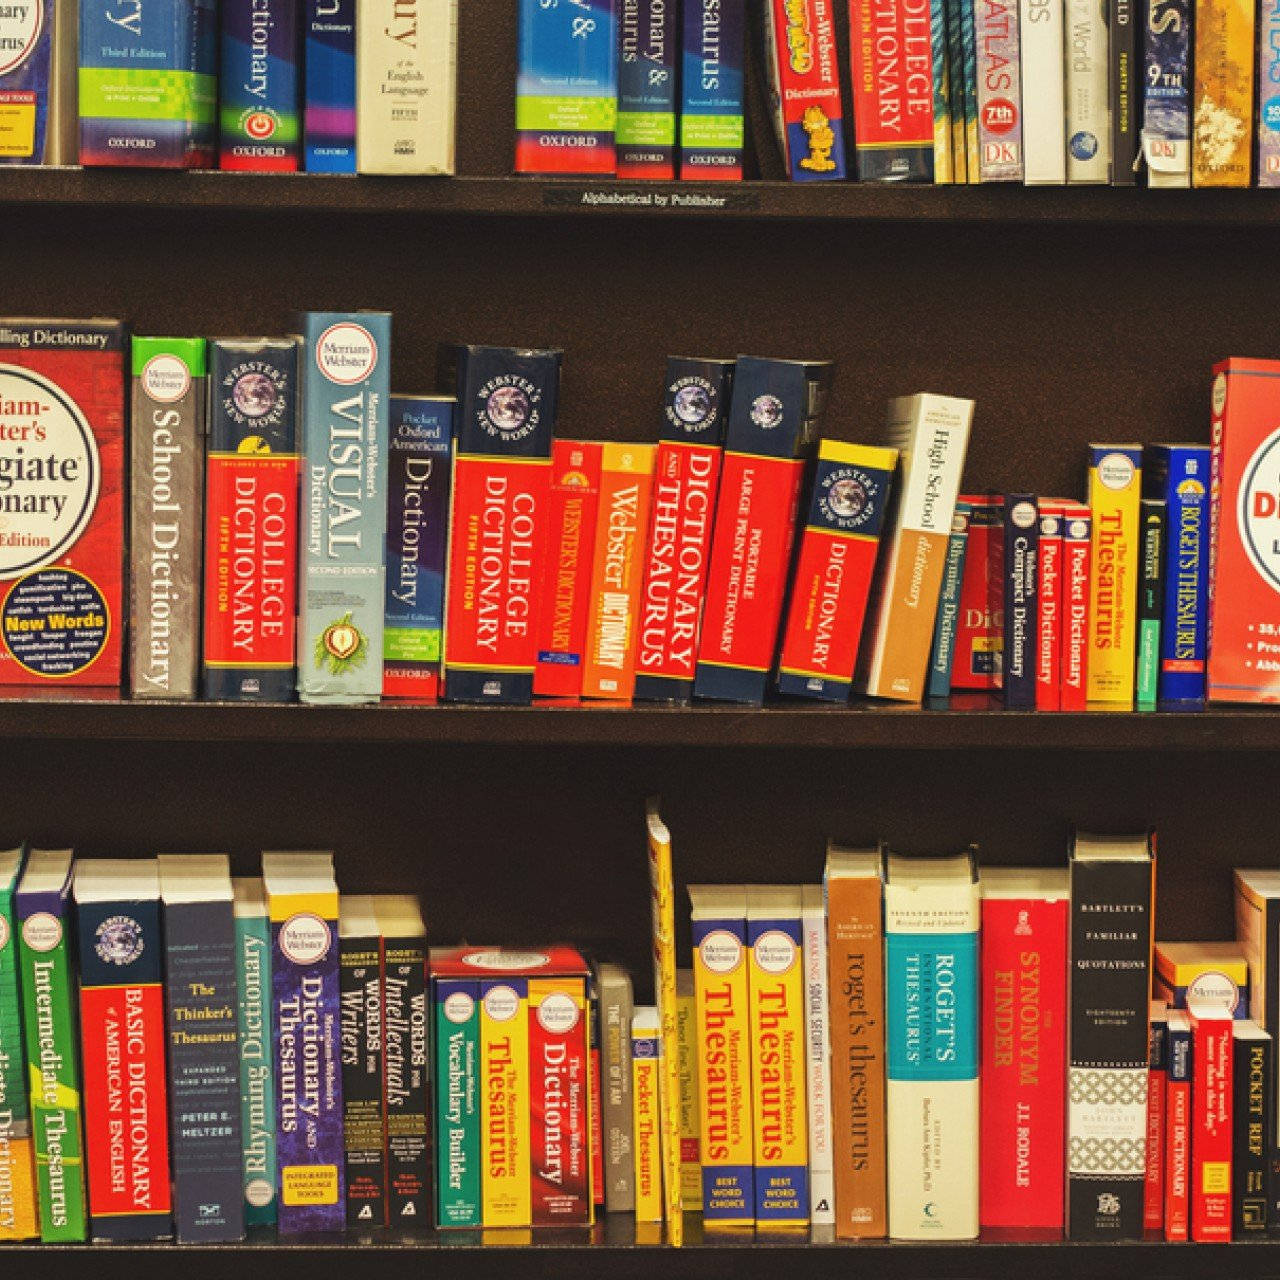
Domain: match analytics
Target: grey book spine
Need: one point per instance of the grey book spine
(616, 1006)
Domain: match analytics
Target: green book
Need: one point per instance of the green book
(18, 1219)
(1150, 603)
(457, 1009)
(49, 1014)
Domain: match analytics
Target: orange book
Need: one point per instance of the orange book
(626, 487)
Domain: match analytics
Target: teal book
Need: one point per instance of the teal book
(942, 656)
(457, 1041)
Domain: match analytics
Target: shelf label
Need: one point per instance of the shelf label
(667, 196)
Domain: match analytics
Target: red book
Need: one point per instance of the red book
(1077, 528)
(1157, 1088)
(1024, 1047)
(1177, 1164)
(1049, 600)
(597, 1118)
(1211, 1135)
(979, 639)
(566, 583)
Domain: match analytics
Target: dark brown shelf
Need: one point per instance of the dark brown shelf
(280, 194)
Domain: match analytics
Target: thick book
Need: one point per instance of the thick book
(251, 520)
(260, 85)
(1211, 1125)
(1049, 606)
(713, 60)
(1177, 1162)
(258, 1166)
(1115, 487)
(1266, 119)
(773, 420)
(1000, 91)
(646, 1053)
(1151, 574)
(1025, 918)
(1166, 93)
(201, 999)
(1042, 24)
(980, 626)
(931, 434)
(817, 1040)
(1021, 605)
(499, 519)
(1088, 122)
(1157, 1100)
(30, 80)
(954, 23)
(166, 508)
(931, 930)
(505, 1122)
(616, 1007)
(302, 905)
(855, 957)
(942, 652)
(1123, 48)
(1112, 891)
(457, 1090)
(18, 1213)
(1253, 1107)
(686, 481)
(122, 998)
(1203, 976)
(329, 86)
(342, 567)
(1223, 63)
(648, 89)
(1077, 591)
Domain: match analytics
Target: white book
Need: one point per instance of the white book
(813, 926)
(406, 85)
(931, 917)
(1088, 89)
(1044, 149)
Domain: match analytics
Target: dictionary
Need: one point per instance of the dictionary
(1254, 1117)
(1212, 1078)
(1203, 977)
(1049, 607)
(1021, 606)
(648, 88)
(1223, 69)
(712, 90)
(458, 1100)
(122, 969)
(38, 83)
(201, 991)
(329, 87)
(1077, 579)
(980, 627)
(1157, 1099)
(1115, 485)
(166, 481)
(817, 1010)
(646, 1066)
(18, 1214)
(943, 649)
(1151, 535)
(616, 1006)
(259, 86)
(1177, 1163)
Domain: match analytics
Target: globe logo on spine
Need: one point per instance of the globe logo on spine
(118, 940)
(506, 407)
(1258, 510)
(692, 402)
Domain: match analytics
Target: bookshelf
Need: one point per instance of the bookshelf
(1069, 315)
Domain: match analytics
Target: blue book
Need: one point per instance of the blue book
(711, 105)
(329, 102)
(1166, 92)
(944, 627)
(1178, 474)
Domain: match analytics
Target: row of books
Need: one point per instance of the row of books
(339, 86)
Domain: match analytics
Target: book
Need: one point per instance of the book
(931, 924)
(595, 1098)
(853, 886)
(776, 1005)
(943, 167)
(616, 1008)
(1179, 475)
(712, 128)
(1000, 91)
(695, 407)
(506, 1191)
(166, 508)
(1021, 607)
(28, 82)
(1123, 45)
(773, 419)
(980, 626)
(954, 24)
(258, 1165)
(849, 494)
(1267, 114)
(498, 519)
(718, 916)
(1203, 976)
(569, 560)
(646, 1052)
(457, 1084)
(1112, 887)
(260, 89)
(1049, 606)
(1115, 483)
(969, 46)
(690, 1101)
(1253, 1104)
(1166, 93)
(1025, 918)
(62, 562)
(122, 996)
(18, 1217)
(251, 521)
(201, 961)
(302, 905)
(1157, 1099)
(1077, 588)
(329, 86)
(622, 519)
(345, 434)
(360, 1013)
(1042, 26)
(942, 652)
(1177, 1177)
(1088, 125)
(1151, 533)
(406, 86)
(648, 89)
(1223, 68)
(817, 1040)
(418, 464)
(148, 84)
(931, 434)
(1211, 1125)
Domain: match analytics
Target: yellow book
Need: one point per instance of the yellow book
(1222, 129)
(719, 920)
(646, 1071)
(1115, 493)
(690, 1117)
(1206, 978)
(505, 1193)
(778, 1057)
(19, 1219)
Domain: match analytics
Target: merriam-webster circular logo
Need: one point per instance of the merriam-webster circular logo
(42, 932)
(558, 1014)
(1023, 514)
(508, 960)
(20, 28)
(1258, 510)
(165, 378)
(346, 353)
(118, 940)
(1212, 994)
(1115, 471)
(775, 951)
(691, 402)
(49, 472)
(720, 951)
(501, 1003)
(305, 938)
(259, 1192)
(509, 407)
(458, 1007)
(1050, 525)
(847, 497)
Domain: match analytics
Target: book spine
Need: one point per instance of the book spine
(619, 1148)
(1021, 609)
(1222, 139)
(1157, 1100)
(1253, 1106)
(690, 1100)
(251, 522)
(363, 1120)
(166, 499)
(1177, 1185)
(943, 168)
(1088, 124)
(457, 1084)
(1151, 525)
(1049, 604)
(1077, 583)
(259, 1169)
(122, 1002)
(27, 86)
(811, 114)
(1042, 25)
(329, 98)
(1024, 1053)
(1183, 632)
(942, 654)
(1166, 93)
(980, 625)
(1211, 1135)
(999, 91)
(204, 1071)
(817, 1007)
(969, 43)
(1124, 92)
(406, 1088)
(1115, 482)
(1267, 117)
(506, 1191)
(18, 1219)
(259, 85)
(342, 597)
(955, 89)
(645, 1054)
(711, 104)
(648, 53)
(724, 1072)
(595, 1098)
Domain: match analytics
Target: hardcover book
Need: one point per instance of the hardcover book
(1177, 1177)
(595, 1102)
(954, 23)
(942, 653)
(1021, 606)
(969, 45)
(1042, 25)
(646, 1052)
(1157, 1099)
(329, 87)
(1211, 1125)
(201, 998)
(1000, 91)
(1077, 589)
(943, 168)
(690, 1099)
(1049, 607)
(1267, 115)
(1115, 485)
(1122, 18)
(166, 481)
(980, 625)
(616, 1007)
(251, 521)
(345, 434)
(1088, 123)
(1223, 63)
(711, 90)
(1253, 1106)
(648, 88)
(259, 85)
(18, 1215)
(1166, 93)
(458, 1088)
(1203, 976)
(1151, 532)
(817, 1009)
(122, 967)
(28, 82)
(1112, 888)
(505, 1127)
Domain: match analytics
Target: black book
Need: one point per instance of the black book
(1253, 1111)
(1021, 608)
(1126, 92)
